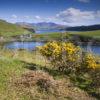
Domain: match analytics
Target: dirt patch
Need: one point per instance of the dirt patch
(61, 88)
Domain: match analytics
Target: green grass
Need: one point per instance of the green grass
(12, 65)
(8, 68)
(92, 34)
(66, 35)
(15, 63)
(8, 29)
(50, 36)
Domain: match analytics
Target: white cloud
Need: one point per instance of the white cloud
(43, 19)
(84, 1)
(72, 15)
(14, 16)
(37, 17)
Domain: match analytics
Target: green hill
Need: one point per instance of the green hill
(9, 29)
(92, 34)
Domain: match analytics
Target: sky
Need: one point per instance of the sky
(67, 12)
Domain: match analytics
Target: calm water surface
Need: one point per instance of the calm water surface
(23, 45)
(33, 45)
(48, 31)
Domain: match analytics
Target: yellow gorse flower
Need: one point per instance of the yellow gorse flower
(90, 61)
(66, 54)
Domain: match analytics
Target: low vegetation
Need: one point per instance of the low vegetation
(51, 36)
(91, 34)
(8, 29)
(68, 58)
(28, 75)
(74, 37)
(56, 71)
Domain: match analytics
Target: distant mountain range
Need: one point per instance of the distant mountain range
(42, 25)
(9, 29)
(51, 25)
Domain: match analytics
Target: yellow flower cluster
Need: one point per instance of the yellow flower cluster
(50, 49)
(69, 47)
(61, 53)
(72, 51)
(90, 61)
(67, 55)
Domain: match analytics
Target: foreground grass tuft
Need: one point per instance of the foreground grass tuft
(20, 69)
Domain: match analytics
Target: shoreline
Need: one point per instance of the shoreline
(44, 41)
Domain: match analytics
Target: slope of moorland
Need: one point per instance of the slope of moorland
(9, 29)
(84, 28)
(83, 36)
(92, 34)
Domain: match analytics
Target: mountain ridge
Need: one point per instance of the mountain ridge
(51, 25)
(43, 25)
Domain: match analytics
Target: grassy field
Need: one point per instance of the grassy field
(14, 64)
(66, 35)
(50, 36)
(92, 34)
(8, 29)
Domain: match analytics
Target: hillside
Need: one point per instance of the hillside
(8, 29)
(83, 28)
(26, 26)
(92, 34)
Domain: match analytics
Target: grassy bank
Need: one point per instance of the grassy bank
(71, 36)
(17, 69)
(67, 35)
(91, 34)
(8, 29)
(50, 36)
(15, 64)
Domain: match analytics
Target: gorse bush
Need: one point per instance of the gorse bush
(67, 56)
(89, 61)
(82, 67)
(57, 52)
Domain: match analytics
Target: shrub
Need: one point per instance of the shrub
(67, 56)
(82, 65)
(89, 61)
(63, 55)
